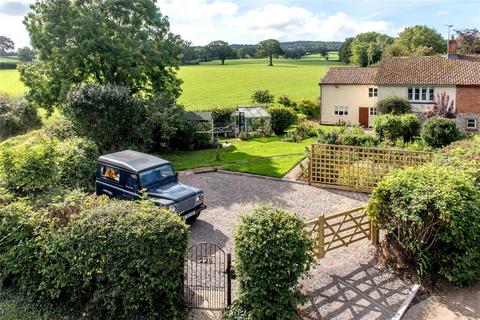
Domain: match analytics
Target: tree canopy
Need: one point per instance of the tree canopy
(269, 48)
(103, 41)
(418, 39)
(247, 52)
(345, 51)
(468, 41)
(6, 44)
(367, 48)
(220, 50)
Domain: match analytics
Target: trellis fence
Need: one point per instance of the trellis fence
(341, 229)
(357, 168)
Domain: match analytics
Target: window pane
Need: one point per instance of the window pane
(431, 96)
(375, 92)
(424, 94)
(410, 93)
(110, 173)
(417, 93)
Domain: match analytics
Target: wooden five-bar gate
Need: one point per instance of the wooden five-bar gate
(341, 229)
(357, 168)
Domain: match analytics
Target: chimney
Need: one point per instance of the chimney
(452, 49)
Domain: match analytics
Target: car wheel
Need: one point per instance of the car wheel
(194, 217)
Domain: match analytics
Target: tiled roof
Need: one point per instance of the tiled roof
(350, 75)
(436, 70)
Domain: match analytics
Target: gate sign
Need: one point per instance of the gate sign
(207, 283)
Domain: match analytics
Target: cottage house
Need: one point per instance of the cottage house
(349, 94)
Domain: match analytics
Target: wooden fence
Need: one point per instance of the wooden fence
(341, 229)
(357, 168)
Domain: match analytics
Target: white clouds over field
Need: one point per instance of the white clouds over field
(201, 21)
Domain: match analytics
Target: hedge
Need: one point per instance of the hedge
(433, 214)
(111, 260)
(8, 65)
(393, 127)
(281, 118)
(271, 254)
(17, 117)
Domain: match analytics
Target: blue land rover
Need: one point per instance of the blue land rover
(124, 174)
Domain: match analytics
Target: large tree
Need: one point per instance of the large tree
(220, 50)
(345, 51)
(367, 48)
(416, 37)
(103, 41)
(468, 41)
(269, 48)
(6, 45)
(247, 52)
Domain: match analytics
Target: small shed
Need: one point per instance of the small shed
(249, 119)
(203, 122)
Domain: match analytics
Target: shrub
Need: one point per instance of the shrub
(8, 65)
(286, 101)
(17, 117)
(352, 136)
(439, 132)
(433, 214)
(30, 167)
(272, 253)
(77, 158)
(61, 129)
(222, 116)
(441, 107)
(393, 127)
(262, 97)
(109, 115)
(393, 105)
(281, 118)
(309, 108)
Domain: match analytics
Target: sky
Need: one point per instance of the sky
(250, 21)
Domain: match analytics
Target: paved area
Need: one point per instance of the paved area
(346, 284)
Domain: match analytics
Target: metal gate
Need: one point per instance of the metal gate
(207, 283)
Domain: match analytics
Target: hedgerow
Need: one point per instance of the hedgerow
(271, 254)
(17, 117)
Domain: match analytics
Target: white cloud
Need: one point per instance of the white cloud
(202, 21)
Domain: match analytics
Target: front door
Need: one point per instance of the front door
(363, 117)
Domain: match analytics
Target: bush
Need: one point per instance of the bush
(433, 214)
(262, 97)
(114, 259)
(393, 105)
(308, 107)
(108, 115)
(77, 163)
(17, 117)
(439, 132)
(286, 101)
(352, 136)
(31, 167)
(281, 118)
(393, 127)
(272, 253)
(61, 129)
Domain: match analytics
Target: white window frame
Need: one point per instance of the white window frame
(475, 124)
(341, 111)
(372, 111)
(372, 92)
(421, 94)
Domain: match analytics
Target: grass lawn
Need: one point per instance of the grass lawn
(212, 85)
(264, 156)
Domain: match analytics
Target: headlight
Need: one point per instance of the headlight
(173, 208)
(199, 197)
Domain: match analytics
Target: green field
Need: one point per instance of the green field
(211, 85)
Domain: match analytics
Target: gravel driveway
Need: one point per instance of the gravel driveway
(346, 284)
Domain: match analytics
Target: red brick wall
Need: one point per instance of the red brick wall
(468, 99)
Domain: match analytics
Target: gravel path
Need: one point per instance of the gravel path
(346, 284)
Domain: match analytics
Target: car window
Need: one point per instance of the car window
(129, 181)
(110, 173)
(156, 175)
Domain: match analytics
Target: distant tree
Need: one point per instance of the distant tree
(395, 50)
(189, 54)
(269, 48)
(126, 43)
(345, 51)
(202, 54)
(26, 54)
(220, 50)
(295, 53)
(367, 48)
(468, 41)
(247, 52)
(323, 51)
(421, 36)
(262, 97)
(6, 45)
(441, 107)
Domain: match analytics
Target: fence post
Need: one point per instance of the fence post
(321, 237)
(310, 154)
(229, 279)
(374, 233)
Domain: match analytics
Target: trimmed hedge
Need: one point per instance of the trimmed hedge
(272, 253)
(8, 65)
(111, 260)
(281, 118)
(394, 105)
(439, 132)
(433, 214)
(393, 127)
